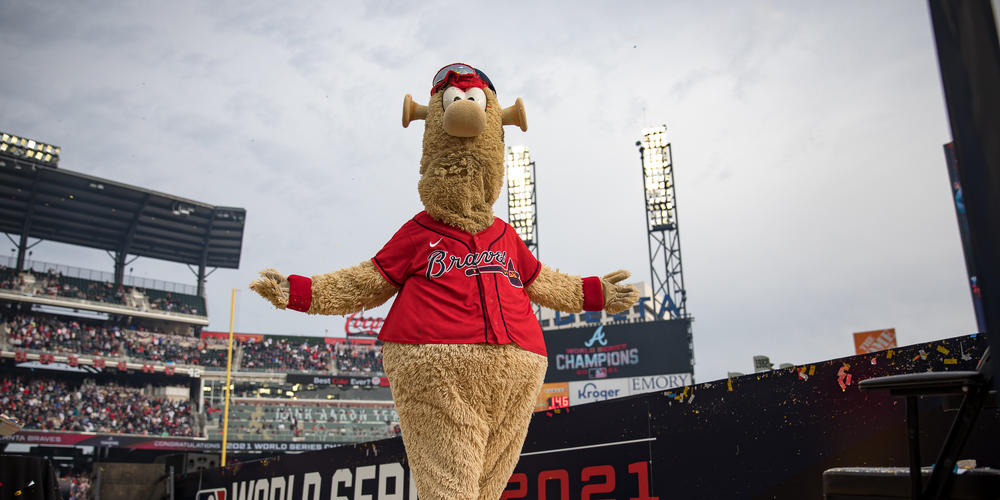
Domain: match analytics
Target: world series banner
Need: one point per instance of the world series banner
(765, 435)
(133, 442)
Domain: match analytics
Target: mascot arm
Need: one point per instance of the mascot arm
(341, 292)
(572, 294)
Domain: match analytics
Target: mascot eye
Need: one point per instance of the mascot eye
(451, 94)
(476, 94)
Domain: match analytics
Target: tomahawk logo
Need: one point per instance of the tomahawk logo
(598, 337)
(214, 494)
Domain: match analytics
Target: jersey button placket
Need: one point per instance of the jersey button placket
(483, 296)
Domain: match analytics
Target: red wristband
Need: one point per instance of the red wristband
(299, 293)
(593, 296)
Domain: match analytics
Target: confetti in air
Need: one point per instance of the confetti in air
(844, 378)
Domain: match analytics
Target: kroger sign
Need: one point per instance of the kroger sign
(591, 391)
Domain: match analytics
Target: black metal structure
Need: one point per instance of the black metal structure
(55, 204)
(969, 56)
(664, 240)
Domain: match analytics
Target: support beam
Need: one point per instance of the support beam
(22, 245)
(204, 256)
(121, 254)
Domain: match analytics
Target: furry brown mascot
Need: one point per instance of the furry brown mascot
(462, 348)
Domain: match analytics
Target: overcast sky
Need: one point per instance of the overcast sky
(812, 191)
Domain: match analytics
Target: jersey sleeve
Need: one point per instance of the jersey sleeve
(527, 265)
(395, 260)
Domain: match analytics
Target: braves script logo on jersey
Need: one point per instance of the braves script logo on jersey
(474, 264)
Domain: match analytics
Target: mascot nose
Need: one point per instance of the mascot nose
(464, 119)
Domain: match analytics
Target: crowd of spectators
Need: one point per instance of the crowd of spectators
(48, 333)
(10, 280)
(75, 486)
(359, 358)
(48, 404)
(53, 283)
(51, 334)
(169, 303)
(173, 348)
(280, 354)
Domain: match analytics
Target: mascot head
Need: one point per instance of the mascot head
(462, 167)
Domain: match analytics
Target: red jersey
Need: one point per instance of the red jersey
(459, 288)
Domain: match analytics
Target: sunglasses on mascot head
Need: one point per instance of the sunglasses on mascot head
(441, 78)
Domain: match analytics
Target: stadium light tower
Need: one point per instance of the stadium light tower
(666, 274)
(522, 211)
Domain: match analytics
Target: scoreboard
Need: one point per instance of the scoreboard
(600, 362)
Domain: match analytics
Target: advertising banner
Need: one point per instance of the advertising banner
(766, 435)
(618, 351)
(653, 383)
(310, 379)
(224, 336)
(874, 340)
(592, 391)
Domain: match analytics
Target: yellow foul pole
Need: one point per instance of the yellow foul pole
(229, 366)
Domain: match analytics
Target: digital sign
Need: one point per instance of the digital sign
(558, 402)
(619, 351)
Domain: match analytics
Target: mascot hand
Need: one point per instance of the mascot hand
(273, 286)
(618, 298)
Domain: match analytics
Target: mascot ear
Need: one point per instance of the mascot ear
(514, 115)
(412, 111)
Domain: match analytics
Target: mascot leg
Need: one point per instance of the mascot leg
(464, 410)
(526, 372)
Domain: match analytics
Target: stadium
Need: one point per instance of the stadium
(120, 367)
(115, 385)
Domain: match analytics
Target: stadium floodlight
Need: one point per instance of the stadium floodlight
(29, 149)
(658, 179)
(666, 277)
(522, 211)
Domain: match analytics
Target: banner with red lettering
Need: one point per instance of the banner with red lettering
(224, 336)
(358, 325)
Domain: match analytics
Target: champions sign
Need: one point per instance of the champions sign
(619, 351)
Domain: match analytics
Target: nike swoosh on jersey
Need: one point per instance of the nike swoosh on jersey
(436, 242)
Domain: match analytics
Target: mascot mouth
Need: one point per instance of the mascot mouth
(454, 163)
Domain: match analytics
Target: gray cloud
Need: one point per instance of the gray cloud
(807, 140)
